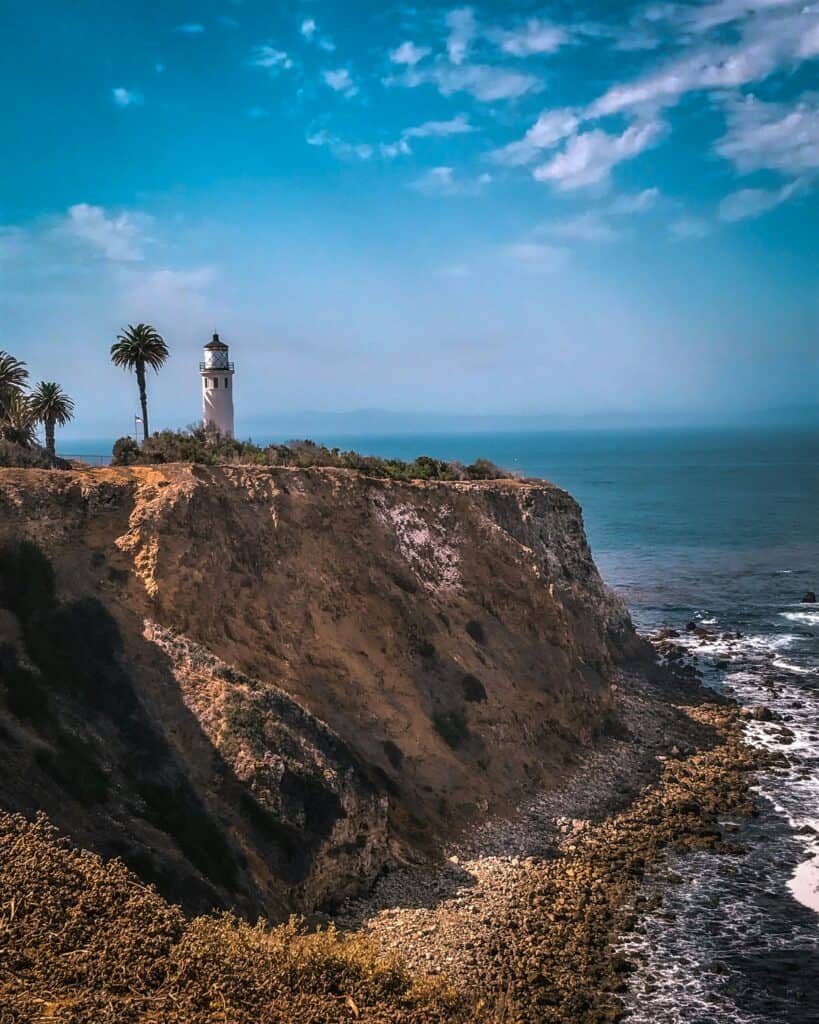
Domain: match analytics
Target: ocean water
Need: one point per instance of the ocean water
(720, 527)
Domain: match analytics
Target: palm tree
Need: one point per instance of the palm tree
(135, 349)
(52, 407)
(19, 423)
(13, 379)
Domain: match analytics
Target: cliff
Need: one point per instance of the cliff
(259, 687)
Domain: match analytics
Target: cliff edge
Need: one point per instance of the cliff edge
(259, 687)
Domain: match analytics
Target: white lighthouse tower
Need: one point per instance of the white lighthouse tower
(217, 388)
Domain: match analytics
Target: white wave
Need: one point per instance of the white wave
(805, 884)
(809, 618)
(786, 666)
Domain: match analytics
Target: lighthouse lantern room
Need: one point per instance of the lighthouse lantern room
(217, 388)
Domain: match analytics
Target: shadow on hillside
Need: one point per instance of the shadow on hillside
(79, 744)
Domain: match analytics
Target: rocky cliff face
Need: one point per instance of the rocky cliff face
(260, 686)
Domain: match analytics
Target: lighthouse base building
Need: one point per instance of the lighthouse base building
(217, 371)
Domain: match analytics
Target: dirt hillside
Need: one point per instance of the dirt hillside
(260, 686)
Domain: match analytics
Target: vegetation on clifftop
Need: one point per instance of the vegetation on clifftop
(199, 446)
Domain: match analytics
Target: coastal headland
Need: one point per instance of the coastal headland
(412, 712)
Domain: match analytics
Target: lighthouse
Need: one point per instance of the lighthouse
(216, 371)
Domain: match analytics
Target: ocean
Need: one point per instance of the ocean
(721, 527)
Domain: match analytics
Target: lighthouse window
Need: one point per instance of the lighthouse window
(216, 382)
(226, 382)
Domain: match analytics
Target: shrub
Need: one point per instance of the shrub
(474, 690)
(16, 456)
(475, 630)
(125, 452)
(198, 446)
(451, 727)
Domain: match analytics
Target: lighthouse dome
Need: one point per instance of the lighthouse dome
(216, 345)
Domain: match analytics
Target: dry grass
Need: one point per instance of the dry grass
(84, 941)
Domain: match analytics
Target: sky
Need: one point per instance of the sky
(493, 209)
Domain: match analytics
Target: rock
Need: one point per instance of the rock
(761, 713)
(809, 598)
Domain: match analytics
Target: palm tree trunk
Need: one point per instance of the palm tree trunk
(143, 398)
(49, 437)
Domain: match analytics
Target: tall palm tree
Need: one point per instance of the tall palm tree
(13, 379)
(52, 407)
(18, 423)
(135, 349)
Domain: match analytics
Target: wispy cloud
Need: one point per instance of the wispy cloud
(772, 136)
(589, 157)
(123, 97)
(462, 29)
(535, 257)
(688, 228)
(120, 237)
(605, 223)
(591, 226)
(272, 59)
(408, 53)
(339, 147)
(458, 125)
(310, 30)
(784, 34)
(191, 28)
(444, 181)
(533, 38)
(550, 128)
(637, 203)
(753, 202)
(486, 82)
(340, 80)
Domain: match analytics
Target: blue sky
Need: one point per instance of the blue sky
(497, 208)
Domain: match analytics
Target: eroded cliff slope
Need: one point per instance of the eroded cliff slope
(260, 686)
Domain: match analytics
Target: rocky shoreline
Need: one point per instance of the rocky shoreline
(528, 917)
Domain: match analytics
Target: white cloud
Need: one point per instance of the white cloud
(339, 147)
(589, 157)
(340, 80)
(191, 28)
(443, 181)
(550, 128)
(773, 136)
(119, 238)
(309, 29)
(753, 202)
(169, 294)
(408, 53)
(269, 57)
(686, 228)
(534, 37)
(590, 226)
(126, 97)
(780, 36)
(637, 203)
(485, 82)
(535, 257)
(462, 28)
(458, 125)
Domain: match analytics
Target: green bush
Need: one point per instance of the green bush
(198, 446)
(451, 727)
(125, 452)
